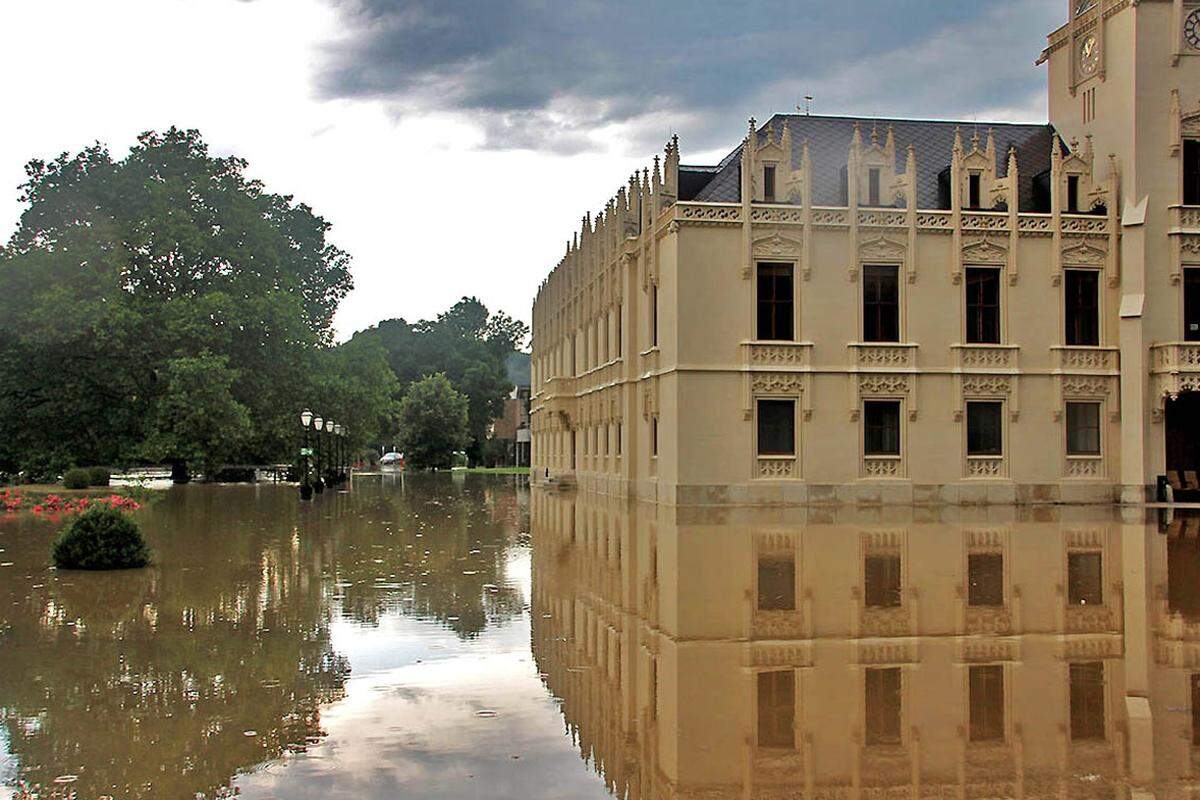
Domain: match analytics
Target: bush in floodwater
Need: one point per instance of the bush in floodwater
(102, 538)
(77, 478)
(99, 476)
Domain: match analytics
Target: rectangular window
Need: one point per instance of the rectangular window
(776, 302)
(881, 427)
(776, 708)
(1073, 194)
(618, 355)
(985, 428)
(1191, 172)
(975, 193)
(618, 438)
(881, 303)
(873, 188)
(1081, 292)
(1191, 304)
(776, 427)
(985, 579)
(1196, 709)
(654, 315)
(983, 305)
(776, 583)
(883, 705)
(769, 183)
(1083, 429)
(881, 581)
(654, 436)
(1085, 579)
(987, 702)
(1087, 700)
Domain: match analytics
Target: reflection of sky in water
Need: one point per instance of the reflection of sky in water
(429, 714)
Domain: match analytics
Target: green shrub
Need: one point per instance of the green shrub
(101, 539)
(77, 478)
(99, 476)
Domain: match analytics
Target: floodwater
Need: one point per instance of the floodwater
(464, 637)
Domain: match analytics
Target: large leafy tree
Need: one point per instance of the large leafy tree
(433, 422)
(129, 282)
(467, 344)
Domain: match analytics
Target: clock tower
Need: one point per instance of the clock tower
(1124, 84)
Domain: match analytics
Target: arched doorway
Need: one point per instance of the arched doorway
(1182, 431)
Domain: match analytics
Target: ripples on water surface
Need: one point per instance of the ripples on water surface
(460, 637)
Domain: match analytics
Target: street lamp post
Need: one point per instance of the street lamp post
(341, 453)
(319, 481)
(331, 461)
(346, 452)
(306, 488)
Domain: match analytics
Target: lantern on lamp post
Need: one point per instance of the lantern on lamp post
(306, 487)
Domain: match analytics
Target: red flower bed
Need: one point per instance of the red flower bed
(54, 506)
(10, 501)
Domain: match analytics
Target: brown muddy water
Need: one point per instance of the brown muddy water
(464, 637)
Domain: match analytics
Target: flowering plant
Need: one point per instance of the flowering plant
(52, 505)
(10, 501)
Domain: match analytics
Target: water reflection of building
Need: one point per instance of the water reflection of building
(753, 653)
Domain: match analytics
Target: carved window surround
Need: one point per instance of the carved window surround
(1185, 239)
(1003, 619)
(777, 369)
(1174, 369)
(1095, 618)
(776, 468)
(986, 357)
(1086, 373)
(870, 621)
(984, 384)
(877, 467)
(986, 467)
(780, 624)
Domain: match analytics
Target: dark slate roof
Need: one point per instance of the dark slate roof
(829, 146)
(692, 179)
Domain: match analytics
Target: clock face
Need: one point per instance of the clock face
(1089, 55)
(1191, 29)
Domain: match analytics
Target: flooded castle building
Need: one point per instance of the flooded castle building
(870, 310)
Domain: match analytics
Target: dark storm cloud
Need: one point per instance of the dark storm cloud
(543, 74)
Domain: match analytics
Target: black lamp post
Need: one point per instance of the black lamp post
(346, 459)
(331, 447)
(318, 480)
(306, 488)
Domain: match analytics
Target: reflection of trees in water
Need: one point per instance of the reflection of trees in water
(144, 684)
(435, 551)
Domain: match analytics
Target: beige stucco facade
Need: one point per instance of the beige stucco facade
(648, 622)
(649, 374)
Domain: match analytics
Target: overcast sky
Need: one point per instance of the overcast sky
(455, 144)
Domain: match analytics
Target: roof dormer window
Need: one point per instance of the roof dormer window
(769, 183)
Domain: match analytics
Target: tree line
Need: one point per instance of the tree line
(165, 308)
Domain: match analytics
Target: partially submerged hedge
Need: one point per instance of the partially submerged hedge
(102, 538)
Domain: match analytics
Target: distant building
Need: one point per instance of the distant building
(512, 426)
(886, 310)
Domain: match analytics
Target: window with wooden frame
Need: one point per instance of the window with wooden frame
(776, 708)
(769, 183)
(1087, 700)
(986, 702)
(985, 579)
(1085, 579)
(776, 302)
(985, 428)
(1191, 172)
(983, 305)
(1081, 294)
(1083, 428)
(776, 427)
(881, 303)
(883, 705)
(881, 427)
(881, 580)
(1191, 304)
(776, 582)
